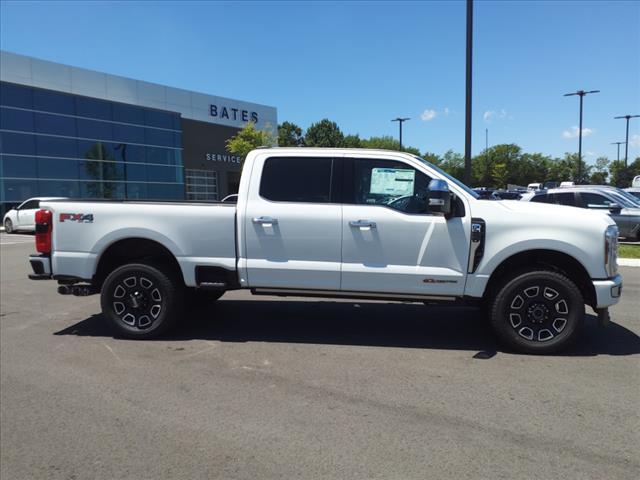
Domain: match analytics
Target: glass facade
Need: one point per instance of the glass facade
(58, 144)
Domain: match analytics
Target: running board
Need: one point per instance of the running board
(281, 292)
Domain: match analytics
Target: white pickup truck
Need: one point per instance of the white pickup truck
(349, 223)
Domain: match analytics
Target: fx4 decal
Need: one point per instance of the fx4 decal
(76, 217)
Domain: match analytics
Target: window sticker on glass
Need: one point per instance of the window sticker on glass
(392, 181)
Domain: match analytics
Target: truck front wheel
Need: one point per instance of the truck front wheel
(537, 312)
(139, 300)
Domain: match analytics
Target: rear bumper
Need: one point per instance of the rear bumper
(41, 266)
(608, 291)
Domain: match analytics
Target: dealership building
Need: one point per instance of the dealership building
(72, 132)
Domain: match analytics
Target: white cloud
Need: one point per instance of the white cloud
(446, 111)
(634, 141)
(574, 131)
(428, 115)
(491, 115)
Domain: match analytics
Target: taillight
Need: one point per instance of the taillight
(44, 226)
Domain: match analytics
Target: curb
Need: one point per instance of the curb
(629, 262)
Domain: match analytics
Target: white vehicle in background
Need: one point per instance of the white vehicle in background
(342, 223)
(534, 186)
(22, 218)
(636, 181)
(567, 184)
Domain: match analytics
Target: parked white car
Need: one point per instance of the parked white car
(346, 223)
(22, 218)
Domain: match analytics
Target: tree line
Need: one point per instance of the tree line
(496, 167)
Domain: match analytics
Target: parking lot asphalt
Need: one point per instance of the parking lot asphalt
(253, 388)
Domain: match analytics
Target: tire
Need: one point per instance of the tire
(8, 226)
(537, 312)
(140, 301)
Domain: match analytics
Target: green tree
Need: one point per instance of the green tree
(352, 141)
(432, 158)
(453, 164)
(600, 171)
(248, 139)
(290, 135)
(622, 176)
(533, 167)
(324, 133)
(387, 142)
(482, 166)
(500, 175)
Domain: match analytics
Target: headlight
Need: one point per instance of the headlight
(611, 250)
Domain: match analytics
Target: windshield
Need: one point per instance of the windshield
(623, 200)
(631, 198)
(449, 177)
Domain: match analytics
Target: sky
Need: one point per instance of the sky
(362, 63)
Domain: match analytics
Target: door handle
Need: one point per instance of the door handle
(265, 220)
(362, 224)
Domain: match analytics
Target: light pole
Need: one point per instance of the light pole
(618, 144)
(581, 94)
(469, 77)
(626, 146)
(400, 121)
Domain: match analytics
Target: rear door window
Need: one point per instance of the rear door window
(297, 179)
(565, 198)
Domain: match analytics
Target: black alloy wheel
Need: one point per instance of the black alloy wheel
(537, 312)
(8, 226)
(140, 300)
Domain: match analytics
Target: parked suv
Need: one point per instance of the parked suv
(622, 210)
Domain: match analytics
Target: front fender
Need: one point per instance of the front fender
(494, 259)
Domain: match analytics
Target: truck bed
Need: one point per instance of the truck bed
(195, 233)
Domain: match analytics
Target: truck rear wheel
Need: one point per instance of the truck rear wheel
(140, 301)
(537, 312)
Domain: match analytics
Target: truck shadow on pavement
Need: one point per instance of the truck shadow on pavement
(360, 324)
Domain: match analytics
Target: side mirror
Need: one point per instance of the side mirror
(615, 208)
(439, 199)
